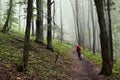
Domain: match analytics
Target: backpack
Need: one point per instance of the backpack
(78, 48)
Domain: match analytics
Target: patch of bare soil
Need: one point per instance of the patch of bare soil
(84, 69)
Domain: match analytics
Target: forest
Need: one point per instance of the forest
(59, 39)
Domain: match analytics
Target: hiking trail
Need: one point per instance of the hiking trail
(83, 69)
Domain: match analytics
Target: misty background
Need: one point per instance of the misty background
(68, 20)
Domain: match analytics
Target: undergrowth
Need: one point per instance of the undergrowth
(41, 63)
(9, 54)
(63, 47)
(98, 60)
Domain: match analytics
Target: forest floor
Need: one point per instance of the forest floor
(41, 65)
(85, 69)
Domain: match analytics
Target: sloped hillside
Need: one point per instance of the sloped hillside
(41, 66)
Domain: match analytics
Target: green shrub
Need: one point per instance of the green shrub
(98, 60)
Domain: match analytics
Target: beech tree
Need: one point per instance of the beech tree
(88, 24)
(104, 39)
(49, 26)
(61, 23)
(93, 24)
(27, 35)
(110, 30)
(6, 26)
(39, 21)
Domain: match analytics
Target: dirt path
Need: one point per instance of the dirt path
(83, 69)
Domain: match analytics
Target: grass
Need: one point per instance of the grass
(41, 61)
(116, 68)
(97, 59)
(8, 52)
(63, 47)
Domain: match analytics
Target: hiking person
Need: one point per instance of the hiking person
(78, 50)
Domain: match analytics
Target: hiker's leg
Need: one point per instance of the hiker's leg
(78, 55)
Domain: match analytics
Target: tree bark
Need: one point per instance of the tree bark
(77, 22)
(54, 19)
(110, 31)
(27, 35)
(49, 29)
(106, 64)
(94, 31)
(5, 27)
(88, 22)
(33, 32)
(19, 17)
(61, 22)
(38, 21)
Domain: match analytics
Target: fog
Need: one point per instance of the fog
(68, 18)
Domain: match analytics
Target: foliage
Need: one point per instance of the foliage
(8, 54)
(13, 18)
(41, 61)
(48, 69)
(96, 58)
(116, 68)
(61, 47)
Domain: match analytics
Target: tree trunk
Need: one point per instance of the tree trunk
(19, 17)
(1, 13)
(106, 64)
(27, 35)
(38, 20)
(41, 21)
(5, 27)
(61, 22)
(33, 32)
(89, 31)
(110, 31)
(54, 20)
(49, 29)
(77, 22)
(94, 32)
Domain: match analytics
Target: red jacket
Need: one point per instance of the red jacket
(78, 48)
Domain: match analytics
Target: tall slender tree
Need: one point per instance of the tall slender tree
(33, 20)
(61, 22)
(88, 22)
(1, 12)
(9, 13)
(20, 4)
(93, 24)
(77, 22)
(54, 19)
(49, 29)
(74, 17)
(27, 35)
(110, 30)
(33, 31)
(39, 21)
(106, 64)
